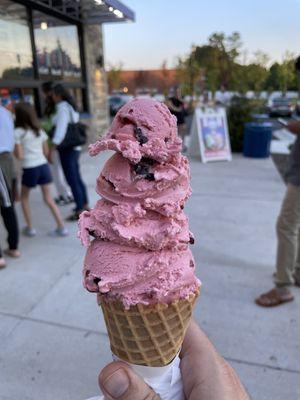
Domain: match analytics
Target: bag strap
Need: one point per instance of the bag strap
(71, 114)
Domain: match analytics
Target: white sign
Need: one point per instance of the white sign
(209, 134)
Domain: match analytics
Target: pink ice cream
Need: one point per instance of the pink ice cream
(141, 128)
(138, 276)
(162, 187)
(137, 235)
(134, 226)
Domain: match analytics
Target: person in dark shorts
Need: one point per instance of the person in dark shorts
(31, 147)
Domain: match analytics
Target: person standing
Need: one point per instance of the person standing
(66, 114)
(62, 189)
(288, 233)
(32, 149)
(176, 107)
(10, 222)
(9, 181)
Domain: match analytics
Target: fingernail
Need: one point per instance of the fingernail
(116, 384)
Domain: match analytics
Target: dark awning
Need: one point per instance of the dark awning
(86, 11)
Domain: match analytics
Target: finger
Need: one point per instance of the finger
(119, 382)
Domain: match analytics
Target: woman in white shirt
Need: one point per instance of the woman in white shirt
(31, 147)
(65, 114)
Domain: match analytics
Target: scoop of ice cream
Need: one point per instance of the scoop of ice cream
(133, 275)
(141, 128)
(134, 226)
(162, 187)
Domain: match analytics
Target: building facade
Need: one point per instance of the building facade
(60, 41)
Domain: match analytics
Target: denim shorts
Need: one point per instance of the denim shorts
(40, 175)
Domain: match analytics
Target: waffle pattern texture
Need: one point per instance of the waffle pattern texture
(147, 335)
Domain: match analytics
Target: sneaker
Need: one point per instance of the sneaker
(70, 199)
(29, 232)
(74, 216)
(63, 201)
(59, 232)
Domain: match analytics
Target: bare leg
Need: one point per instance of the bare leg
(25, 205)
(51, 204)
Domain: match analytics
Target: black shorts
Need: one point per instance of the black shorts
(40, 175)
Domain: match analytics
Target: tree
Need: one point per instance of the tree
(273, 78)
(114, 77)
(256, 73)
(287, 73)
(227, 49)
(188, 72)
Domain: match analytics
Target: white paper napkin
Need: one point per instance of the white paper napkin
(165, 381)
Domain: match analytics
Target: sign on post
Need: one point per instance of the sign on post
(209, 135)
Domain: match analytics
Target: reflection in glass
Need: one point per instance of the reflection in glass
(11, 96)
(57, 48)
(16, 54)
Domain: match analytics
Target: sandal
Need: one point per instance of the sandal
(273, 298)
(2, 263)
(12, 253)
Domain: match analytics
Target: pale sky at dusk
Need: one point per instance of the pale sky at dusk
(165, 29)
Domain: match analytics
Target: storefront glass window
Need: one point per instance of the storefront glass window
(57, 47)
(10, 96)
(15, 45)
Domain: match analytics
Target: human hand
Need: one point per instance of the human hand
(205, 374)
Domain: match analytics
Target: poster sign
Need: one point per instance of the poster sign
(210, 135)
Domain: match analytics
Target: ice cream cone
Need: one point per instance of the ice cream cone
(149, 335)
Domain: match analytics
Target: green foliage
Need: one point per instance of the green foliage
(239, 112)
(215, 64)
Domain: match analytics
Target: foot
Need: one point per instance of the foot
(12, 253)
(74, 216)
(2, 263)
(29, 232)
(274, 297)
(70, 199)
(59, 232)
(62, 201)
(297, 282)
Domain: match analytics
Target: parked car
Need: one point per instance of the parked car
(115, 103)
(281, 106)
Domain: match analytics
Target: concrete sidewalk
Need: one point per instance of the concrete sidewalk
(52, 336)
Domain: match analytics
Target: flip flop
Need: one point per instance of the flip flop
(2, 263)
(273, 298)
(12, 253)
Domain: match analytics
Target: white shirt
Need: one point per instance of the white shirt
(7, 140)
(32, 145)
(64, 115)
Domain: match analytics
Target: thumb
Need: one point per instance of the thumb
(119, 382)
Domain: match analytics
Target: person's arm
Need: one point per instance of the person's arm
(18, 151)
(46, 150)
(294, 127)
(62, 121)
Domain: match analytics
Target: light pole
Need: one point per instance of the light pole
(297, 66)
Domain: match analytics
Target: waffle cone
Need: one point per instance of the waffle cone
(147, 335)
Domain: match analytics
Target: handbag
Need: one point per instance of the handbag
(75, 135)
